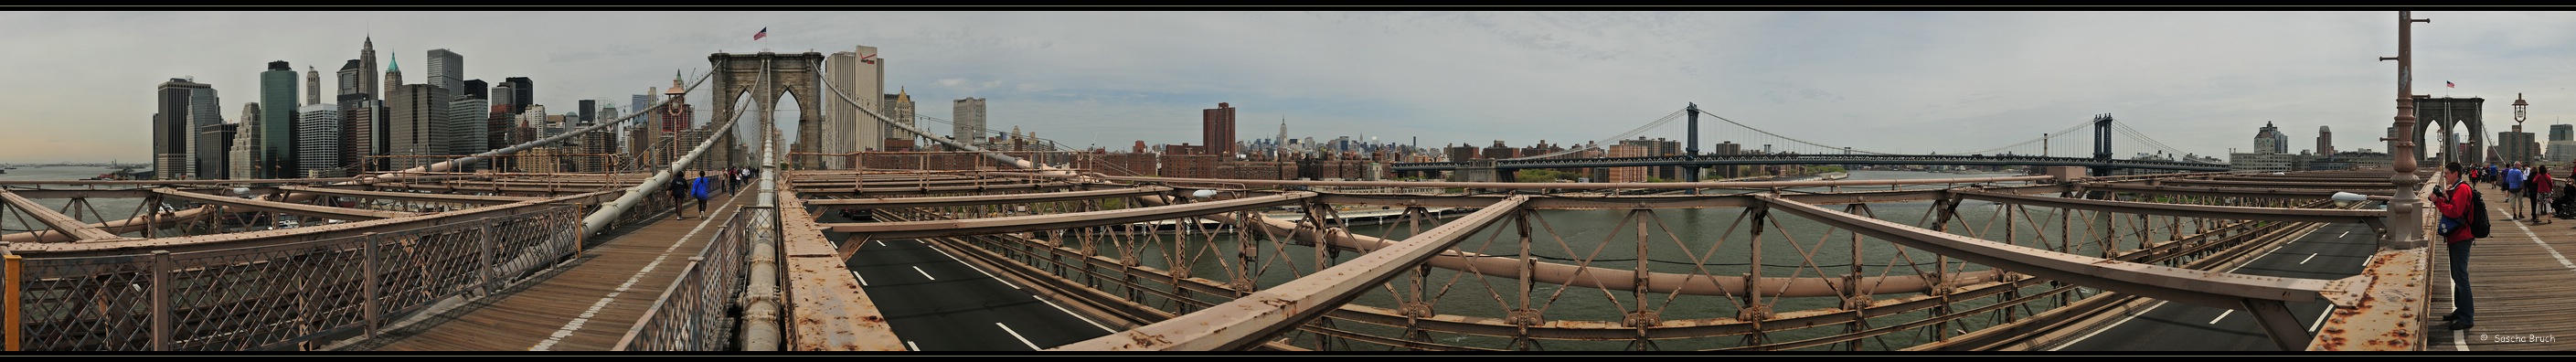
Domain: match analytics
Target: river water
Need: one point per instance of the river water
(1715, 241)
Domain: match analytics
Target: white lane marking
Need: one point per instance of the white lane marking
(1075, 315)
(2221, 315)
(2345, 233)
(1023, 340)
(863, 281)
(2152, 308)
(2553, 252)
(2459, 337)
(2311, 256)
(908, 344)
(584, 318)
(882, 243)
(924, 274)
(2321, 318)
(945, 253)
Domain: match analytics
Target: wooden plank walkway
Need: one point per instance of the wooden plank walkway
(587, 306)
(2524, 286)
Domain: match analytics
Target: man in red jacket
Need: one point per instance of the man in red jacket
(2453, 201)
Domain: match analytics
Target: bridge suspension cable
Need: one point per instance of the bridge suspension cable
(882, 119)
(2141, 138)
(1613, 139)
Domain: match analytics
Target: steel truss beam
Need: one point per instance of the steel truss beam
(63, 223)
(284, 207)
(963, 227)
(1251, 320)
(988, 199)
(410, 196)
(2264, 296)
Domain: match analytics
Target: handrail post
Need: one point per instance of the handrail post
(13, 268)
(367, 266)
(160, 300)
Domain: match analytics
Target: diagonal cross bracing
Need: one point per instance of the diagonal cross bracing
(2202, 211)
(65, 223)
(285, 207)
(989, 199)
(1000, 225)
(1252, 319)
(2207, 288)
(924, 190)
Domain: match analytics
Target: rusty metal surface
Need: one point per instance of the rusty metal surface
(62, 224)
(934, 228)
(827, 311)
(1249, 320)
(2208, 288)
(988, 199)
(2380, 310)
(2163, 209)
(290, 208)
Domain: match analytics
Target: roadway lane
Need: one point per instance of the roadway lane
(2334, 251)
(937, 302)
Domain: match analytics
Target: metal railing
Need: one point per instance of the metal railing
(692, 314)
(274, 297)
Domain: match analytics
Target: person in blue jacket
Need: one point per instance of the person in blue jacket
(698, 188)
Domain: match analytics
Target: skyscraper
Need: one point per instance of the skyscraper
(860, 76)
(477, 89)
(175, 126)
(505, 97)
(415, 116)
(214, 143)
(362, 126)
(2325, 141)
(589, 110)
(246, 159)
(2562, 132)
(1216, 128)
(367, 69)
(277, 122)
(526, 94)
(350, 78)
(447, 70)
(465, 129)
(969, 125)
(898, 107)
(317, 140)
(312, 85)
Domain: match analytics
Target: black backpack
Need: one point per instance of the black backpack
(2477, 213)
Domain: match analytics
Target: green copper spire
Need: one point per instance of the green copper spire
(393, 64)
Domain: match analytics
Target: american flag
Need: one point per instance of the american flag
(764, 33)
(2448, 84)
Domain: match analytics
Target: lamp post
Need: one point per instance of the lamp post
(2404, 221)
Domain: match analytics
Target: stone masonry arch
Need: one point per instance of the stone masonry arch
(766, 76)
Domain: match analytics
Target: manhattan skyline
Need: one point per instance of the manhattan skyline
(1916, 81)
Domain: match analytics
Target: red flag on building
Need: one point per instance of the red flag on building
(764, 33)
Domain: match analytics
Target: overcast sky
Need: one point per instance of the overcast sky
(81, 83)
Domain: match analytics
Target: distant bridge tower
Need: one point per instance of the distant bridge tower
(2102, 144)
(1691, 151)
(765, 78)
